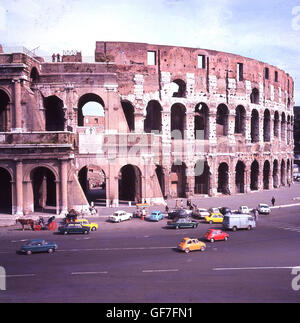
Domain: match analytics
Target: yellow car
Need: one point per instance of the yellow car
(85, 223)
(214, 218)
(191, 244)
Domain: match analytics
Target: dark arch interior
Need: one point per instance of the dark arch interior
(4, 101)
(6, 192)
(128, 110)
(130, 184)
(54, 114)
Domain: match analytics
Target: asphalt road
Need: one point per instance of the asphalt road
(137, 262)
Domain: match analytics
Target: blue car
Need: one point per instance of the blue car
(156, 216)
(38, 245)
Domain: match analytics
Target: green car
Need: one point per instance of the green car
(74, 228)
(182, 223)
(38, 245)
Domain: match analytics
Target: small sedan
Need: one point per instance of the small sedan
(213, 235)
(191, 244)
(93, 226)
(38, 245)
(263, 208)
(182, 223)
(156, 216)
(74, 228)
(200, 213)
(214, 218)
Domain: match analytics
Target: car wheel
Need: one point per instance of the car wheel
(28, 252)
(234, 229)
(85, 232)
(187, 250)
(94, 228)
(177, 227)
(202, 248)
(210, 222)
(249, 227)
(50, 250)
(65, 232)
(226, 238)
(212, 240)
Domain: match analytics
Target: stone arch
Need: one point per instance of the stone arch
(181, 92)
(254, 126)
(222, 119)
(201, 121)
(130, 183)
(178, 180)
(283, 127)
(223, 179)
(254, 176)
(202, 181)
(240, 176)
(240, 120)
(276, 124)
(267, 126)
(282, 173)
(178, 121)
(275, 174)
(54, 113)
(153, 121)
(6, 191)
(266, 175)
(128, 110)
(5, 101)
(98, 107)
(254, 96)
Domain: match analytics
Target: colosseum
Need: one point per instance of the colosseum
(172, 122)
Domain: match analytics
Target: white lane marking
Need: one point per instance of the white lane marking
(254, 268)
(89, 273)
(159, 270)
(112, 249)
(18, 275)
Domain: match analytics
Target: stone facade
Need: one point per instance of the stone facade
(178, 122)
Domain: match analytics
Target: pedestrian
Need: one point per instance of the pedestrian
(255, 214)
(167, 209)
(273, 201)
(58, 57)
(53, 58)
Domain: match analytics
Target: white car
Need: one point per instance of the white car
(244, 209)
(119, 216)
(263, 208)
(201, 213)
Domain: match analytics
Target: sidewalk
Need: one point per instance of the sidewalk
(284, 196)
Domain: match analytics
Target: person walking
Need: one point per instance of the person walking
(273, 201)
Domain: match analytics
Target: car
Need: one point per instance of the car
(214, 211)
(156, 216)
(213, 235)
(74, 228)
(38, 245)
(243, 209)
(191, 244)
(200, 213)
(179, 213)
(263, 208)
(119, 216)
(93, 226)
(182, 223)
(225, 210)
(214, 218)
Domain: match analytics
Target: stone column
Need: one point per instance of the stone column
(18, 108)
(64, 186)
(19, 187)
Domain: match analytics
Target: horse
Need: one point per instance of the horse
(24, 222)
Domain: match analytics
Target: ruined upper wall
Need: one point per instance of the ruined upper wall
(131, 58)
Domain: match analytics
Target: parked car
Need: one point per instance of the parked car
(225, 210)
(93, 226)
(243, 209)
(238, 221)
(156, 216)
(214, 218)
(182, 223)
(213, 235)
(191, 244)
(119, 216)
(214, 211)
(200, 213)
(263, 208)
(74, 228)
(179, 213)
(38, 245)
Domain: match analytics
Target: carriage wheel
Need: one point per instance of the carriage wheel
(52, 226)
(37, 227)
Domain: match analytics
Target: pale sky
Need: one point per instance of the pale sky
(267, 30)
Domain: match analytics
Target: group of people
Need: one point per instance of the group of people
(55, 56)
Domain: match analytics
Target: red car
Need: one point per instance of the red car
(213, 235)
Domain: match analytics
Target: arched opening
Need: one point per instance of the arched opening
(267, 125)
(254, 176)
(93, 182)
(254, 96)
(223, 179)
(178, 180)
(288, 130)
(178, 121)
(161, 178)
(283, 127)
(276, 124)
(240, 177)
(254, 126)
(6, 192)
(275, 174)
(202, 181)
(128, 111)
(240, 120)
(90, 105)
(130, 184)
(201, 121)
(153, 117)
(44, 189)
(288, 171)
(4, 111)
(266, 175)
(34, 75)
(283, 173)
(54, 113)
(222, 120)
(181, 89)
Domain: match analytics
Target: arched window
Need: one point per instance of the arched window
(54, 113)
(128, 111)
(240, 120)
(90, 105)
(201, 121)
(153, 117)
(181, 91)
(178, 121)
(222, 120)
(254, 126)
(4, 111)
(254, 96)
(267, 125)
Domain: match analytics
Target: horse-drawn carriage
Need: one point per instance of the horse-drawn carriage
(37, 224)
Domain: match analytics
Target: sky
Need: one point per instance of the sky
(266, 30)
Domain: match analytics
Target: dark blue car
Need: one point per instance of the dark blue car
(38, 245)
